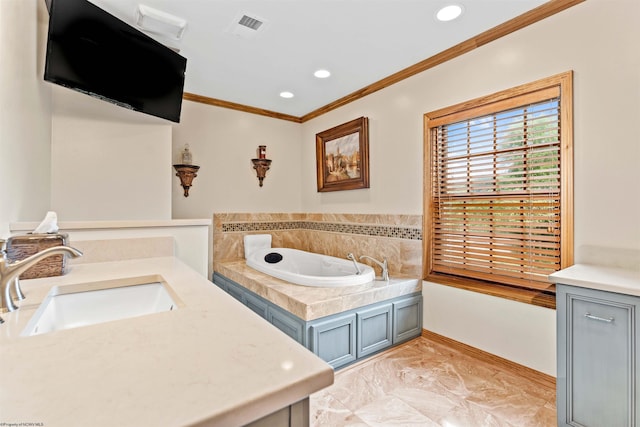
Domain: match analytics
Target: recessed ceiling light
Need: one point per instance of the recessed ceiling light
(286, 94)
(449, 13)
(322, 74)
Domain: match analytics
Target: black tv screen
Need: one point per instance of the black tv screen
(93, 52)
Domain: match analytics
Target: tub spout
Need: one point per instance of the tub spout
(384, 265)
(10, 271)
(355, 263)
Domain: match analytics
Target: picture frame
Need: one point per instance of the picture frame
(342, 156)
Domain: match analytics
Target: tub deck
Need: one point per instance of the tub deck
(309, 303)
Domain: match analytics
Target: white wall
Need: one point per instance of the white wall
(25, 109)
(487, 322)
(599, 40)
(607, 151)
(395, 155)
(98, 162)
(106, 169)
(223, 142)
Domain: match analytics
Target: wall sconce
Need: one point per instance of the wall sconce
(261, 164)
(186, 171)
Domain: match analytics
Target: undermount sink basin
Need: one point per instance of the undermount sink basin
(73, 306)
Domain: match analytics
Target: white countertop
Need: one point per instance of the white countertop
(88, 225)
(212, 361)
(612, 279)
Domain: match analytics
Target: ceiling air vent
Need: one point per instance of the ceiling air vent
(247, 25)
(250, 22)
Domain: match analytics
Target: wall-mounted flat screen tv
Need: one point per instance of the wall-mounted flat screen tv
(93, 52)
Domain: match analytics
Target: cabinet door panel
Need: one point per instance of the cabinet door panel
(236, 291)
(219, 281)
(334, 341)
(407, 319)
(600, 366)
(287, 323)
(374, 329)
(256, 304)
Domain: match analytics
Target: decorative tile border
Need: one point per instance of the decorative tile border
(410, 233)
(230, 227)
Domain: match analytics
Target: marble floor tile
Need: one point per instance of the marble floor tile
(326, 410)
(546, 416)
(425, 383)
(391, 411)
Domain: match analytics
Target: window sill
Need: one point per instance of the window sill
(541, 299)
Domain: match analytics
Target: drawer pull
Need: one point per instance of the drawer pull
(598, 318)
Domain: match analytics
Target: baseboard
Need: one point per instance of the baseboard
(524, 371)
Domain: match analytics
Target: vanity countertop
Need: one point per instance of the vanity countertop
(210, 362)
(612, 279)
(310, 302)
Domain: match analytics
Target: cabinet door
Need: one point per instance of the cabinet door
(219, 281)
(334, 340)
(236, 291)
(407, 319)
(287, 323)
(296, 415)
(596, 372)
(374, 331)
(256, 304)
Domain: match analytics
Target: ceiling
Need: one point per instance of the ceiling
(359, 41)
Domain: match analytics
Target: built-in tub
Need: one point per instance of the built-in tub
(308, 268)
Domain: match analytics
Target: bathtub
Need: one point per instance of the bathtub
(309, 269)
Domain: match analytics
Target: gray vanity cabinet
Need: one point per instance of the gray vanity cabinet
(296, 415)
(597, 358)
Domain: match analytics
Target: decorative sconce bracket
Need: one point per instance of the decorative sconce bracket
(186, 173)
(261, 166)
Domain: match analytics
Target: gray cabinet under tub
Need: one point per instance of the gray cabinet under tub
(333, 339)
(597, 382)
(375, 326)
(341, 338)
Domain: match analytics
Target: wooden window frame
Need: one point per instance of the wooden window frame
(560, 83)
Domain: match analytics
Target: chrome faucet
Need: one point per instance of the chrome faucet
(384, 265)
(355, 263)
(9, 272)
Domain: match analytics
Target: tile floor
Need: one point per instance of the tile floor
(425, 383)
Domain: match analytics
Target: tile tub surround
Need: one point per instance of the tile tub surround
(188, 366)
(395, 237)
(309, 303)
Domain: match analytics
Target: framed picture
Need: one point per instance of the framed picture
(342, 156)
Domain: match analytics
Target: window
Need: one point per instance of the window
(498, 196)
